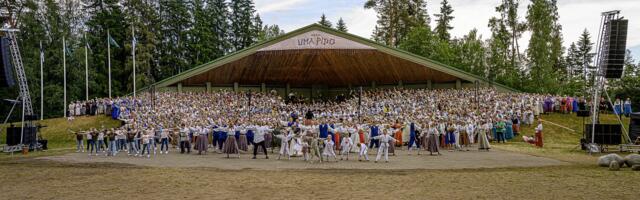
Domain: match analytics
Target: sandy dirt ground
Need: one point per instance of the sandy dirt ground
(472, 159)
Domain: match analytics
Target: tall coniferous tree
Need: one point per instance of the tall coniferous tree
(242, 15)
(324, 21)
(443, 21)
(396, 19)
(341, 26)
(173, 48)
(540, 53)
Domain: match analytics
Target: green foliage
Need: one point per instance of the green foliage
(443, 21)
(396, 19)
(324, 21)
(341, 26)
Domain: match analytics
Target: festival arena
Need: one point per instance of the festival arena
(318, 108)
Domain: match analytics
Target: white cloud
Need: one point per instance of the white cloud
(359, 21)
(267, 6)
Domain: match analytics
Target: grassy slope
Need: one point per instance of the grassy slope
(58, 135)
(559, 143)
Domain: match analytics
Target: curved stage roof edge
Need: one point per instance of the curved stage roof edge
(317, 55)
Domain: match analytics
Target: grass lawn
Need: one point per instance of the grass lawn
(559, 142)
(60, 140)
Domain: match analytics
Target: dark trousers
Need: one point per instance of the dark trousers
(255, 148)
(500, 136)
(185, 145)
(374, 142)
(220, 142)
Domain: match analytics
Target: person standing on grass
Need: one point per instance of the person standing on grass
(627, 107)
(539, 138)
(500, 129)
(79, 140)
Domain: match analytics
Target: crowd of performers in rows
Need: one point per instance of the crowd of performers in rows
(573, 105)
(229, 122)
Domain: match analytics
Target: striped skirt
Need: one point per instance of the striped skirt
(230, 146)
(242, 143)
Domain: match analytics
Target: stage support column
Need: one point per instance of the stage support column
(429, 85)
(235, 87)
(208, 87)
(179, 87)
(263, 87)
(400, 85)
(373, 85)
(458, 84)
(287, 90)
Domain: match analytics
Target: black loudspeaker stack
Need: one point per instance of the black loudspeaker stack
(610, 134)
(6, 71)
(617, 48)
(13, 135)
(583, 113)
(634, 126)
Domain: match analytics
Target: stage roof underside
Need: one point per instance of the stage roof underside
(316, 55)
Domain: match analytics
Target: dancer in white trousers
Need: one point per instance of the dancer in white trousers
(346, 146)
(385, 140)
(284, 144)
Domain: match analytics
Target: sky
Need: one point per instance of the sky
(575, 16)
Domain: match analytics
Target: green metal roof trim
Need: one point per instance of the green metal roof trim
(380, 47)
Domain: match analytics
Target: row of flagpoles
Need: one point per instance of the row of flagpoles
(110, 41)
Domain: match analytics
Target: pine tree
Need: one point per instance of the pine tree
(242, 15)
(272, 31)
(396, 19)
(443, 20)
(584, 55)
(541, 51)
(173, 48)
(341, 26)
(218, 12)
(259, 34)
(323, 21)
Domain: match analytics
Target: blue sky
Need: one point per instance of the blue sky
(575, 16)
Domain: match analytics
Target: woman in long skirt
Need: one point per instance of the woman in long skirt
(432, 141)
(483, 141)
(230, 145)
(202, 142)
(242, 142)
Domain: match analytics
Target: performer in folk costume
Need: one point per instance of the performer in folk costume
(259, 139)
(397, 134)
(414, 138)
(483, 141)
(539, 138)
(627, 107)
(464, 137)
(392, 146)
(230, 145)
(363, 153)
(373, 133)
(284, 145)
(328, 151)
(385, 142)
(184, 139)
(315, 145)
(432, 138)
(617, 107)
(346, 146)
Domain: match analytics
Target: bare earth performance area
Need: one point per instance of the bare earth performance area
(202, 99)
(402, 161)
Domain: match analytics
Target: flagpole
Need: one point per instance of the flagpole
(86, 69)
(64, 72)
(109, 60)
(41, 82)
(133, 52)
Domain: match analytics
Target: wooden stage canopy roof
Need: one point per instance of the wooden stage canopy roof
(317, 55)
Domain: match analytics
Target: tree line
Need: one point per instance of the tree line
(544, 66)
(174, 36)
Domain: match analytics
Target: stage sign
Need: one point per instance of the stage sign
(315, 40)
